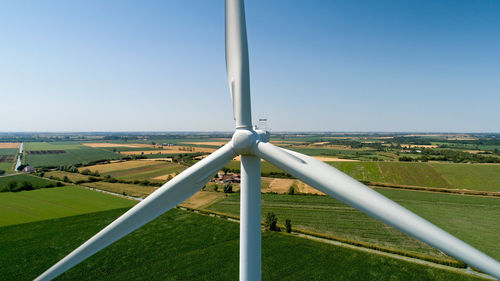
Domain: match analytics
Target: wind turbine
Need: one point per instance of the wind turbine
(253, 145)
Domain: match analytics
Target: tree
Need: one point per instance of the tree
(228, 187)
(65, 179)
(12, 185)
(26, 185)
(85, 172)
(271, 221)
(288, 225)
(291, 190)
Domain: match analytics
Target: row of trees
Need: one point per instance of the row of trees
(271, 223)
(14, 186)
(450, 155)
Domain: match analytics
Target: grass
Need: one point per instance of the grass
(8, 151)
(123, 188)
(185, 246)
(6, 166)
(473, 219)
(137, 170)
(475, 177)
(74, 154)
(43, 204)
(266, 167)
(35, 181)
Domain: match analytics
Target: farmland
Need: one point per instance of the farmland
(404, 165)
(43, 204)
(123, 188)
(137, 170)
(463, 216)
(36, 182)
(7, 158)
(481, 177)
(478, 177)
(67, 154)
(180, 245)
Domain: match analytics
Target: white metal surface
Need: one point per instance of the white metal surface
(338, 185)
(237, 63)
(250, 231)
(166, 197)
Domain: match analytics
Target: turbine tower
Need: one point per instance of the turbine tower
(253, 145)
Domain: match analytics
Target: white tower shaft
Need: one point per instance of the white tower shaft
(250, 227)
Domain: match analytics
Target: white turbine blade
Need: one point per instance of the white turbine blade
(338, 185)
(166, 197)
(237, 63)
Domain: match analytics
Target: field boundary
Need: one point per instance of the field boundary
(435, 189)
(447, 264)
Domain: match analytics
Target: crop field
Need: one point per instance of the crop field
(137, 170)
(266, 167)
(170, 150)
(483, 177)
(8, 145)
(105, 169)
(8, 151)
(477, 177)
(73, 154)
(106, 144)
(49, 203)
(8, 156)
(473, 219)
(59, 175)
(185, 246)
(123, 188)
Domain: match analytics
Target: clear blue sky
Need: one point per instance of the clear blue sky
(315, 65)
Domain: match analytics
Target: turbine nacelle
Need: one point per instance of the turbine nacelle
(245, 141)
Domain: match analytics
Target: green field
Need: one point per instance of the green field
(473, 219)
(148, 172)
(483, 177)
(416, 174)
(8, 156)
(35, 181)
(186, 246)
(476, 177)
(42, 204)
(74, 153)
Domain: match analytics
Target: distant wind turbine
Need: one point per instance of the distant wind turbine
(252, 145)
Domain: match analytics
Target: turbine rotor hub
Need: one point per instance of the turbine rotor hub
(244, 141)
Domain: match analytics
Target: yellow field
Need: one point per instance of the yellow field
(333, 159)
(105, 144)
(116, 166)
(283, 185)
(203, 198)
(71, 176)
(164, 177)
(170, 150)
(9, 144)
(129, 189)
(219, 143)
